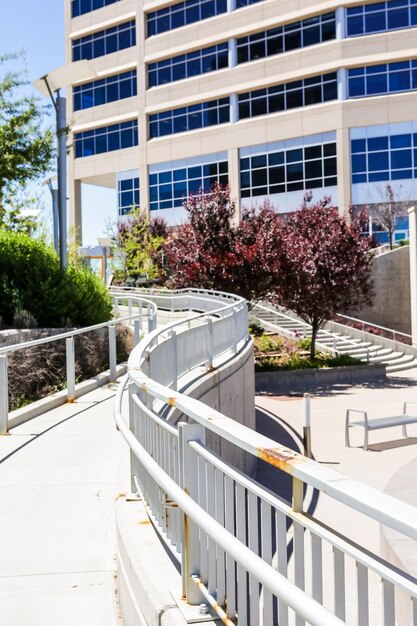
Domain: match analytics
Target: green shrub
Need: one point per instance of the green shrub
(31, 280)
(266, 344)
(297, 362)
(255, 327)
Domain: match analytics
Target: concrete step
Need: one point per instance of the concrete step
(408, 361)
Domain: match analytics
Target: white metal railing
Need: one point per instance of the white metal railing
(139, 310)
(255, 558)
(335, 340)
(363, 324)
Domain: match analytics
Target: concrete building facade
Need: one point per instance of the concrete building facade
(275, 98)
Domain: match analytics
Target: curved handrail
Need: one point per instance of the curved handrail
(146, 389)
(266, 574)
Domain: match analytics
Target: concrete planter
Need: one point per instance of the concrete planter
(299, 380)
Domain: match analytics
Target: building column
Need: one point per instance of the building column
(341, 83)
(344, 187)
(75, 211)
(340, 23)
(412, 217)
(232, 52)
(144, 188)
(234, 180)
(231, 5)
(234, 108)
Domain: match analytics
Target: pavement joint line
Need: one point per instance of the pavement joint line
(61, 484)
(80, 571)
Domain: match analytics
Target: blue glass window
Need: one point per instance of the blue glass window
(189, 118)
(187, 180)
(128, 195)
(183, 13)
(106, 139)
(284, 38)
(308, 167)
(381, 16)
(383, 158)
(187, 65)
(105, 90)
(381, 79)
(105, 41)
(79, 7)
(299, 93)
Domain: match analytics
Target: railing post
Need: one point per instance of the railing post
(70, 359)
(307, 425)
(133, 389)
(235, 329)
(129, 304)
(112, 353)
(116, 307)
(136, 332)
(173, 342)
(153, 320)
(4, 396)
(188, 464)
(148, 318)
(209, 364)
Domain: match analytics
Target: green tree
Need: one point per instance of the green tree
(26, 148)
(139, 241)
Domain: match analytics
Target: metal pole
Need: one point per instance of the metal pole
(112, 353)
(61, 131)
(136, 332)
(209, 364)
(412, 226)
(4, 396)
(55, 218)
(307, 425)
(70, 356)
(173, 341)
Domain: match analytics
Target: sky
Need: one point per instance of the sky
(37, 26)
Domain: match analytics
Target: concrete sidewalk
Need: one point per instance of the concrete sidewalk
(387, 453)
(58, 484)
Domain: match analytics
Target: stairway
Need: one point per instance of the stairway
(368, 351)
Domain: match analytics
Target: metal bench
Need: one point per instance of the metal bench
(381, 422)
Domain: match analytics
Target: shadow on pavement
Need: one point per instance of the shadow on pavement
(391, 382)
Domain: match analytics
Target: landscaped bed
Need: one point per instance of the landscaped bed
(275, 353)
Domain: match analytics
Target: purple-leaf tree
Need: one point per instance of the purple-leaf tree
(324, 265)
(212, 251)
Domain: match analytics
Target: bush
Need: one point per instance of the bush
(31, 280)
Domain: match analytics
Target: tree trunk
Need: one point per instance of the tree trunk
(314, 329)
(391, 236)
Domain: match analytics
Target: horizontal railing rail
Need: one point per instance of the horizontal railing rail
(168, 461)
(364, 325)
(144, 310)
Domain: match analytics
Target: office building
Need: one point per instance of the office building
(273, 97)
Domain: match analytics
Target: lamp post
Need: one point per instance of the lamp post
(51, 85)
(55, 221)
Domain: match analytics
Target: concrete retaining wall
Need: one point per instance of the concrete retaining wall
(391, 307)
(230, 390)
(283, 382)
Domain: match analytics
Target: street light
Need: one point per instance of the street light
(50, 85)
